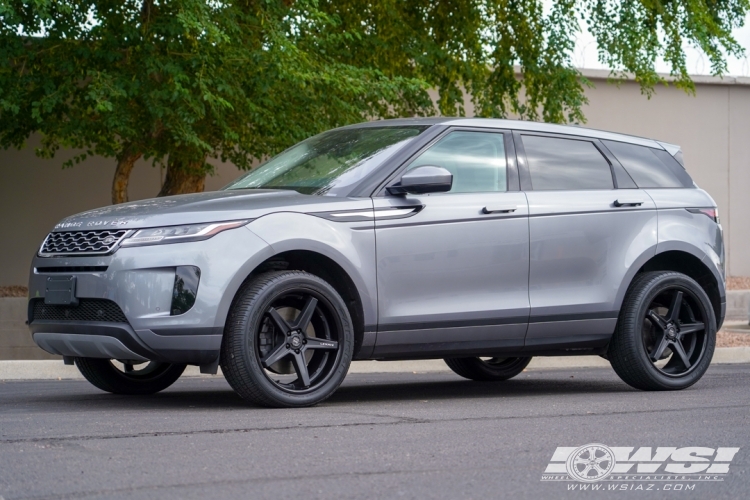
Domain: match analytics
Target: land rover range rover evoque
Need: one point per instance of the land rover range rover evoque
(483, 242)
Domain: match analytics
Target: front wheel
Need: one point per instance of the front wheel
(288, 341)
(487, 369)
(127, 377)
(666, 333)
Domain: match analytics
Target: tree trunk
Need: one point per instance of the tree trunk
(184, 177)
(125, 163)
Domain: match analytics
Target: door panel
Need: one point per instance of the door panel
(585, 236)
(582, 246)
(452, 274)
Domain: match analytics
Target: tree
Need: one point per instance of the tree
(178, 82)
(482, 45)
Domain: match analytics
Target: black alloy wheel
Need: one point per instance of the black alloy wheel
(307, 344)
(674, 331)
(288, 340)
(487, 369)
(666, 332)
(129, 377)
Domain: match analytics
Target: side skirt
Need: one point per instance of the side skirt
(558, 338)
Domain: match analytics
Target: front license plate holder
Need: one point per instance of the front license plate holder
(61, 290)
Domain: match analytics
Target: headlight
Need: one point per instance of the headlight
(179, 234)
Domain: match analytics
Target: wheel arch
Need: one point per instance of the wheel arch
(329, 270)
(686, 262)
(341, 253)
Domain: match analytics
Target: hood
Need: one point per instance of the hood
(198, 208)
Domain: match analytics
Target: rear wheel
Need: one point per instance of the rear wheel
(288, 340)
(128, 377)
(487, 369)
(666, 333)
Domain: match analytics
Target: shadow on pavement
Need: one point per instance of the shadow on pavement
(214, 393)
(465, 389)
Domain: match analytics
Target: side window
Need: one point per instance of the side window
(676, 166)
(569, 164)
(476, 160)
(645, 166)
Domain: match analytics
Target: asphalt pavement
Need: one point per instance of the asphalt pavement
(382, 435)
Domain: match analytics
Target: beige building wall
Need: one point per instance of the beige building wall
(713, 128)
(36, 193)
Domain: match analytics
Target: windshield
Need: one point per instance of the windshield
(327, 163)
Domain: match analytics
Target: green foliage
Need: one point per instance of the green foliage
(632, 34)
(479, 47)
(182, 80)
(185, 79)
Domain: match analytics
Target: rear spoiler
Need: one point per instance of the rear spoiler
(674, 150)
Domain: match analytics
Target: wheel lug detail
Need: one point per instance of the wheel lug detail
(288, 346)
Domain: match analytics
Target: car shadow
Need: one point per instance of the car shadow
(214, 393)
(466, 389)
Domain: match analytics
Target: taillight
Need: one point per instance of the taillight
(711, 213)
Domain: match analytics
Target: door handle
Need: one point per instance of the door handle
(490, 209)
(624, 202)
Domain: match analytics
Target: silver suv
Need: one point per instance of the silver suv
(483, 242)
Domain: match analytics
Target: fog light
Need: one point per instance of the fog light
(186, 280)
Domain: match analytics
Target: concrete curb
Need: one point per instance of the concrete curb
(736, 327)
(54, 370)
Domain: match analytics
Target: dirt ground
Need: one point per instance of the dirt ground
(729, 339)
(14, 291)
(738, 283)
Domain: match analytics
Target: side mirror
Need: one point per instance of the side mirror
(422, 180)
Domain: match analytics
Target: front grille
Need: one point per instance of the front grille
(87, 310)
(82, 242)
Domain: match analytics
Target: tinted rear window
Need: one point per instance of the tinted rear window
(650, 168)
(565, 164)
(676, 167)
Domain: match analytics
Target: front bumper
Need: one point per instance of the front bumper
(141, 281)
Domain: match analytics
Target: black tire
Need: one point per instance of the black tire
(293, 362)
(666, 333)
(133, 380)
(489, 370)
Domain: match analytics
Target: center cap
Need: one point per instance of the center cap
(671, 332)
(296, 341)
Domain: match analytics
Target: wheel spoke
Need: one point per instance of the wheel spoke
(280, 323)
(658, 351)
(301, 368)
(656, 320)
(674, 309)
(275, 355)
(303, 321)
(315, 343)
(677, 348)
(691, 328)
